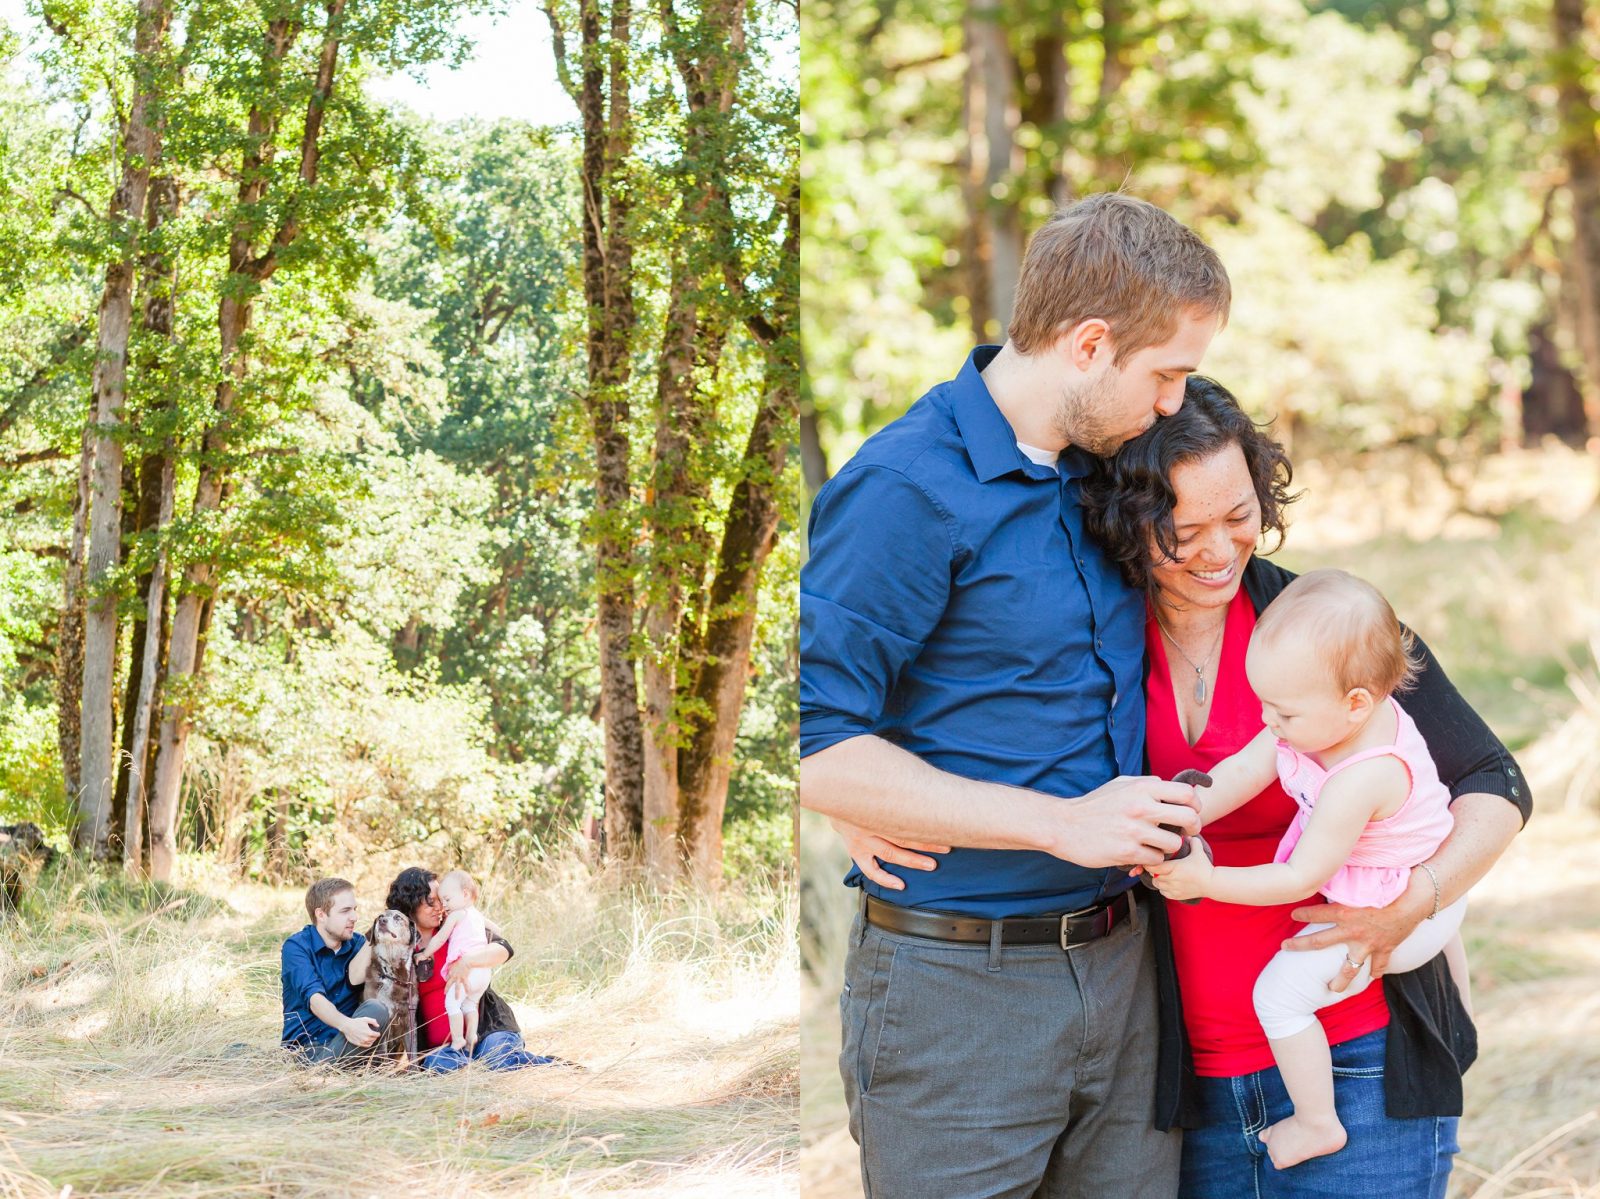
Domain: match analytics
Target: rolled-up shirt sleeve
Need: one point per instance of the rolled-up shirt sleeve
(872, 591)
(300, 978)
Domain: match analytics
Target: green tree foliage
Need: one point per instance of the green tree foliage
(355, 531)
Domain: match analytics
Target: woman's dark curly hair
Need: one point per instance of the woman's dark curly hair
(410, 889)
(1128, 499)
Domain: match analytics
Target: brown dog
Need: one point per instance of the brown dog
(391, 981)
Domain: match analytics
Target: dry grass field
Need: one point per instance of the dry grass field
(118, 1010)
(1500, 571)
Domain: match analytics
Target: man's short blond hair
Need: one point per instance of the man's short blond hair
(1351, 627)
(1122, 260)
(321, 894)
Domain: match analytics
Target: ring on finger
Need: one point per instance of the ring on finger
(1353, 965)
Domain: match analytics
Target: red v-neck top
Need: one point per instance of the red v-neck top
(1220, 948)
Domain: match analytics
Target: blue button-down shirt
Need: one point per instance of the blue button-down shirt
(953, 605)
(311, 968)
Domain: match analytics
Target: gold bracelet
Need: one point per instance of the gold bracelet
(1436, 892)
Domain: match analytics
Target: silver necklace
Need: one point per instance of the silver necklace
(1200, 670)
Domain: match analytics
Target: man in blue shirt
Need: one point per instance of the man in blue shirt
(324, 965)
(971, 676)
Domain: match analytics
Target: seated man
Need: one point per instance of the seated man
(324, 965)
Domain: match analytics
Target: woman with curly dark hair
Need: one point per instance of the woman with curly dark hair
(415, 892)
(1183, 510)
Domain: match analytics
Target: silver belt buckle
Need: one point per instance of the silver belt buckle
(1065, 916)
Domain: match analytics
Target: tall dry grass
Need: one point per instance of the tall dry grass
(123, 1011)
(1499, 569)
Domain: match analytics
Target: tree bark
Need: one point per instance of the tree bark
(669, 522)
(1579, 116)
(813, 458)
(992, 175)
(69, 661)
(722, 663)
(134, 517)
(1045, 96)
(603, 107)
(149, 672)
(157, 488)
(696, 329)
(247, 272)
(752, 528)
(140, 151)
(975, 242)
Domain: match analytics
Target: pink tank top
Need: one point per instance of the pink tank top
(469, 933)
(1379, 867)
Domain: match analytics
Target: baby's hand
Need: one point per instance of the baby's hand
(1183, 878)
(424, 954)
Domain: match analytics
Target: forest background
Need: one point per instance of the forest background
(382, 488)
(1407, 197)
(320, 527)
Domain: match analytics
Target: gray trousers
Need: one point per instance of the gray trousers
(341, 1050)
(1015, 1071)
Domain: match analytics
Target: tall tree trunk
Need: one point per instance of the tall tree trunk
(134, 517)
(976, 248)
(670, 520)
(247, 273)
(723, 661)
(157, 486)
(695, 331)
(149, 673)
(1046, 92)
(141, 148)
(706, 765)
(603, 107)
(813, 458)
(69, 658)
(1579, 117)
(992, 129)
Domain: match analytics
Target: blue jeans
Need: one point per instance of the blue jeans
(1399, 1159)
(499, 1051)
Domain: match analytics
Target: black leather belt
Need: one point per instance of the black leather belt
(1067, 929)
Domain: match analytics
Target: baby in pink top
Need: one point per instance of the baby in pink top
(463, 930)
(1325, 660)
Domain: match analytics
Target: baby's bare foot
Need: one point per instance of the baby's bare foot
(1290, 1142)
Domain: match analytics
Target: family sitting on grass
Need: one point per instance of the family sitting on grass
(330, 1010)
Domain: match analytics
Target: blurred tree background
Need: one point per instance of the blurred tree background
(298, 466)
(1407, 198)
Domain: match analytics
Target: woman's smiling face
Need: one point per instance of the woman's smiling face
(1217, 523)
(429, 914)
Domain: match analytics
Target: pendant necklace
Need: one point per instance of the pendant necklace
(1200, 670)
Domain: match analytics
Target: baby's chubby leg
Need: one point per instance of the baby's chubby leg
(475, 984)
(455, 1008)
(1290, 991)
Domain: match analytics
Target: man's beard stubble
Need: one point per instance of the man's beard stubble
(1081, 416)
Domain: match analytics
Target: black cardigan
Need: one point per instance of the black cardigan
(1431, 1038)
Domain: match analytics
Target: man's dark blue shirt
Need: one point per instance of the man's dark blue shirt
(311, 968)
(954, 605)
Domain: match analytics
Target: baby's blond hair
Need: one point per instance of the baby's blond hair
(1351, 627)
(463, 880)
